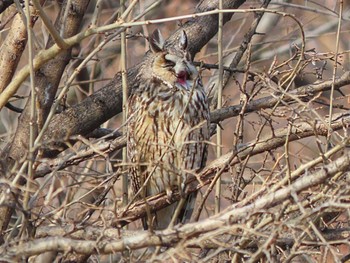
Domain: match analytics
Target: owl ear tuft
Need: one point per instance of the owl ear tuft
(156, 41)
(183, 40)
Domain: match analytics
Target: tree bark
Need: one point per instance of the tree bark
(46, 82)
(83, 118)
(47, 79)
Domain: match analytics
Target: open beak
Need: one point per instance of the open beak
(182, 77)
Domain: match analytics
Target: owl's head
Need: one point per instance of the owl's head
(173, 65)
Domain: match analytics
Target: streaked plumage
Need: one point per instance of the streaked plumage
(168, 124)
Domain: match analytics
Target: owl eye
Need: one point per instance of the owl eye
(168, 64)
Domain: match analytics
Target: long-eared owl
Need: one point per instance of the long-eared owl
(168, 124)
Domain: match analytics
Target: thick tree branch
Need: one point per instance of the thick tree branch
(68, 159)
(13, 46)
(107, 102)
(216, 116)
(229, 217)
(278, 139)
(11, 52)
(47, 80)
(304, 92)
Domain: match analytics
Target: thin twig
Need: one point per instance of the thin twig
(335, 67)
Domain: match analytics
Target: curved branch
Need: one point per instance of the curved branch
(230, 216)
(107, 102)
(299, 131)
(215, 117)
(269, 101)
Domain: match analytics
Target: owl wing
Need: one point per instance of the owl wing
(133, 148)
(195, 154)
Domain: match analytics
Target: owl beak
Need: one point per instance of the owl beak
(182, 77)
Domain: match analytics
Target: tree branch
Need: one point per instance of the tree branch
(107, 102)
(278, 139)
(228, 217)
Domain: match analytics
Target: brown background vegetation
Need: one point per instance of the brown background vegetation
(284, 168)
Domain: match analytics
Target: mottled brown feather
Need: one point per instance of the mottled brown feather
(168, 127)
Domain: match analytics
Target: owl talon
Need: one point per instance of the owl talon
(169, 194)
(182, 190)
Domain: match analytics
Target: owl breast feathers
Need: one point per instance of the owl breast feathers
(168, 125)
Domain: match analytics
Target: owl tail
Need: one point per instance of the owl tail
(164, 216)
(188, 208)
